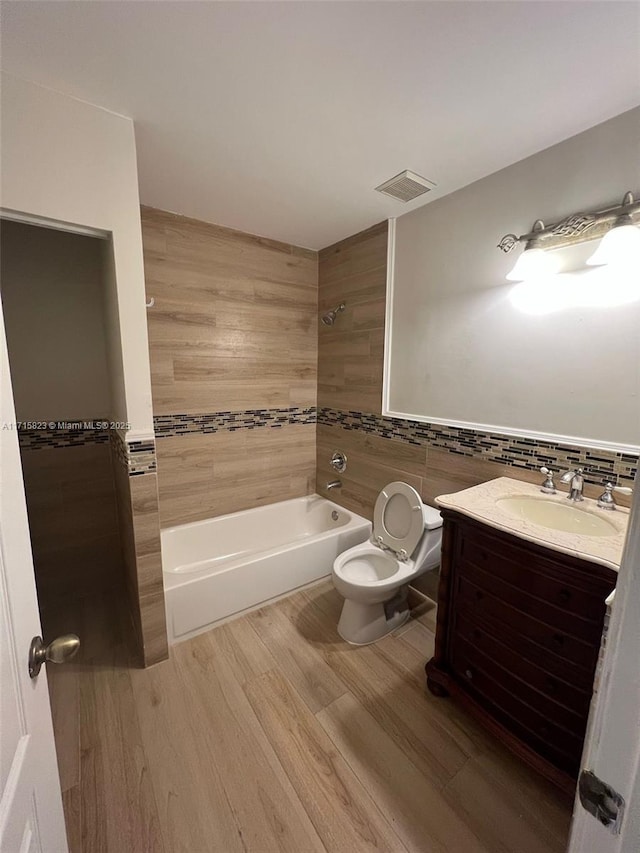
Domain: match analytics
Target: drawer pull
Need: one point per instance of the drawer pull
(564, 596)
(558, 640)
(468, 674)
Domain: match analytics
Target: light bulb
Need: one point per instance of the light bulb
(620, 246)
(533, 263)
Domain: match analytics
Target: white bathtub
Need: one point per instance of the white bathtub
(216, 568)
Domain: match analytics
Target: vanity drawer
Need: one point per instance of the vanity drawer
(561, 585)
(562, 747)
(564, 716)
(554, 677)
(513, 595)
(477, 602)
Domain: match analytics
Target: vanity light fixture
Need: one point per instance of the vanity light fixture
(620, 245)
(616, 225)
(534, 262)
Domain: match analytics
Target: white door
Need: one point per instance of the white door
(612, 747)
(31, 817)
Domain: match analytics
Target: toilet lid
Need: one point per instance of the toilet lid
(398, 520)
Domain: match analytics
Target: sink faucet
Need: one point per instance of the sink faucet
(334, 484)
(606, 499)
(576, 484)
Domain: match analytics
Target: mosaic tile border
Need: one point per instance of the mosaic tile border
(210, 422)
(138, 457)
(48, 438)
(600, 465)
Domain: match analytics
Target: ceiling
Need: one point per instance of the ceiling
(279, 118)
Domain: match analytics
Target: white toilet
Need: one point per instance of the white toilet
(373, 577)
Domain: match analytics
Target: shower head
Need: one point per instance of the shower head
(330, 317)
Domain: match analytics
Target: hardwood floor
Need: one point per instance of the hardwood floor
(270, 733)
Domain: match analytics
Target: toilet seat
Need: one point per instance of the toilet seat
(398, 519)
(383, 569)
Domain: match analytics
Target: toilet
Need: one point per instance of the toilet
(373, 577)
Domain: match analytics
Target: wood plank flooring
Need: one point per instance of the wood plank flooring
(270, 733)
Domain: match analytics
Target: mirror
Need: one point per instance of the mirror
(558, 361)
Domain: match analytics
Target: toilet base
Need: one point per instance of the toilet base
(361, 624)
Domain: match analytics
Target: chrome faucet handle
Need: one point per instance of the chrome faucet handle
(576, 484)
(606, 499)
(569, 475)
(548, 487)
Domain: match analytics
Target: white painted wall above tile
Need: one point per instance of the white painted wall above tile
(463, 353)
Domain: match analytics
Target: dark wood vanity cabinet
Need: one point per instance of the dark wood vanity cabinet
(517, 641)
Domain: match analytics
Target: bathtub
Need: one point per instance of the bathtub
(219, 567)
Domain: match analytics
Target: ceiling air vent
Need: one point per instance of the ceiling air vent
(406, 186)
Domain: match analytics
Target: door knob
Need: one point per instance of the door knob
(58, 651)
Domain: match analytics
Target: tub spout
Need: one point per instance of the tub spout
(334, 484)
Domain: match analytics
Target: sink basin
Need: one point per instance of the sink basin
(557, 516)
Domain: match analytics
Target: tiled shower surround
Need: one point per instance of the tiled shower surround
(600, 465)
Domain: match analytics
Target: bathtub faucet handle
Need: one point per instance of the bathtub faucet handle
(339, 461)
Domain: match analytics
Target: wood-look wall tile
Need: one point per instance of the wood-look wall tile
(350, 353)
(361, 446)
(449, 472)
(79, 568)
(223, 396)
(362, 252)
(357, 288)
(154, 628)
(73, 519)
(192, 368)
(234, 327)
(146, 526)
(350, 398)
(202, 476)
(372, 463)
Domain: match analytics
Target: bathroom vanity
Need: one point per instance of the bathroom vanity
(521, 610)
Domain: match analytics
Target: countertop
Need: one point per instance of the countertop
(480, 502)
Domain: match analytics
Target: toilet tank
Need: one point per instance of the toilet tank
(427, 554)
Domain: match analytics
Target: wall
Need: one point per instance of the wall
(52, 295)
(68, 161)
(73, 519)
(52, 301)
(435, 460)
(464, 352)
(233, 345)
